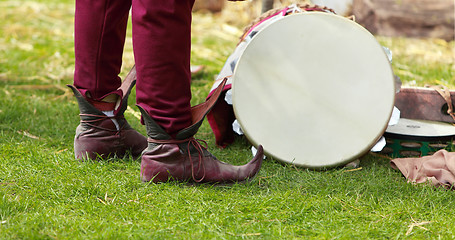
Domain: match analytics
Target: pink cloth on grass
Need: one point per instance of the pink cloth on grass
(438, 169)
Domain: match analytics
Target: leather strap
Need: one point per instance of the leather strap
(129, 79)
(445, 94)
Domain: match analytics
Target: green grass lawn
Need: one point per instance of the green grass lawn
(46, 194)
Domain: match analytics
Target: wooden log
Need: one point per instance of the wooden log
(209, 5)
(410, 18)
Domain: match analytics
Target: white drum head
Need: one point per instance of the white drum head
(315, 89)
(421, 130)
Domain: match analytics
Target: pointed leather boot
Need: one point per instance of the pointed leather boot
(97, 136)
(186, 158)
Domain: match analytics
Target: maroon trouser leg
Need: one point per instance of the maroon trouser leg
(99, 37)
(162, 45)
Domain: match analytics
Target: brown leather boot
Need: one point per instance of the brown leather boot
(186, 158)
(98, 136)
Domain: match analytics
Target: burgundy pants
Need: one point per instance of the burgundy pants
(162, 46)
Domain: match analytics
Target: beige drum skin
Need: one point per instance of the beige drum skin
(315, 89)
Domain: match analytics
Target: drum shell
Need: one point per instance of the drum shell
(397, 147)
(416, 138)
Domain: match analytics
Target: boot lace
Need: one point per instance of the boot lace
(198, 144)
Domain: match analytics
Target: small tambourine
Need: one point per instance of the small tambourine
(415, 138)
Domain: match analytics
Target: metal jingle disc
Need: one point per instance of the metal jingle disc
(315, 89)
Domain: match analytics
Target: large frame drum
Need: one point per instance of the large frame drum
(315, 89)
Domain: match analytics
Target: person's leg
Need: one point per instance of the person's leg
(100, 28)
(162, 46)
(99, 37)
(162, 40)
